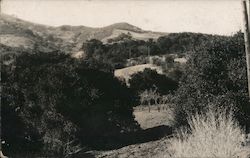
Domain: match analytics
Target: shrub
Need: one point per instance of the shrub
(214, 133)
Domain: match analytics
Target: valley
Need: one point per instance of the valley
(121, 92)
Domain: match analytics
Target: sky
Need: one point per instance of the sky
(206, 16)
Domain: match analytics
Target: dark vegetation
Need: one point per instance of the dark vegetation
(51, 100)
(150, 79)
(54, 104)
(125, 47)
(215, 75)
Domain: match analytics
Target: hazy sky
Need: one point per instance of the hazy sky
(206, 16)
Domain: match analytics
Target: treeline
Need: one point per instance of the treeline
(124, 47)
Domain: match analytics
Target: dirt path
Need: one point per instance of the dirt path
(153, 149)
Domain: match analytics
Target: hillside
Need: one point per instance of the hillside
(19, 33)
(139, 35)
(125, 73)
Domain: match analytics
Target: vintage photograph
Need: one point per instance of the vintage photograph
(125, 79)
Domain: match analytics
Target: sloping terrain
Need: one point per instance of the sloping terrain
(142, 35)
(16, 41)
(21, 34)
(15, 32)
(153, 149)
(126, 73)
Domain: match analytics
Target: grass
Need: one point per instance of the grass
(212, 134)
(158, 115)
(126, 73)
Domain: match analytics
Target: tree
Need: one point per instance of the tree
(54, 100)
(147, 96)
(150, 79)
(93, 48)
(121, 38)
(215, 75)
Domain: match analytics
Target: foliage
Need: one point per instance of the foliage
(147, 96)
(124, 47)
(181, 42)
(215, 74)
(150, 79)
(53, 100)
(117, 52)
(153, 98)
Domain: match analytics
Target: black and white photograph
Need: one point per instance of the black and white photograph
(125, 79)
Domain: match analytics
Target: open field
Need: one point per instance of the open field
(158, 115)
(126, 73)
(139, 35)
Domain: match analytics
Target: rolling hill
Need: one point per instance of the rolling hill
(126, 73)
(19, 33)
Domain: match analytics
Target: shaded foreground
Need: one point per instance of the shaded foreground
(153, 149)
(216, 133)
(215, 129)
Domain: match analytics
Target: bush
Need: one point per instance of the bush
(214, 133)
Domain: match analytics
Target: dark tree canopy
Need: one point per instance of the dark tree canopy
(51, 99)
(124, 47)
(215, 75)
(150, 79)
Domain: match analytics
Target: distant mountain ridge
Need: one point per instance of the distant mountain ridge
(16, 33)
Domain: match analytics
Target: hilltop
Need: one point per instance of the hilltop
(19, 33)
